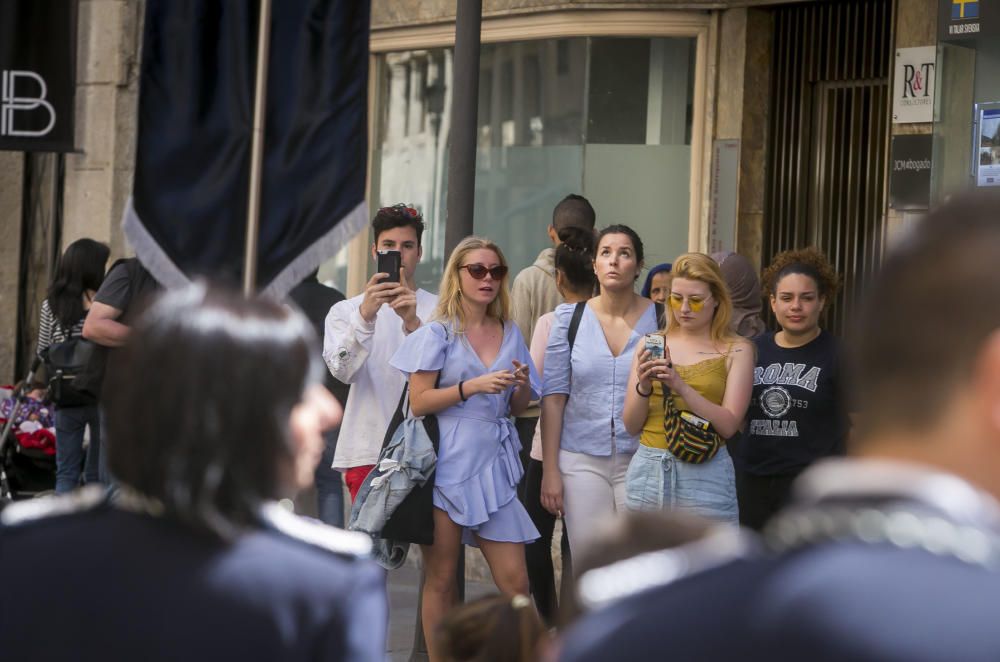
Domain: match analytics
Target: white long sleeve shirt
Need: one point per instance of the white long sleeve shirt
(357, 353)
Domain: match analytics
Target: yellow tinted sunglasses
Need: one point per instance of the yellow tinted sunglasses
(694, 303)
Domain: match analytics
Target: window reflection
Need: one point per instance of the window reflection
(606, 117)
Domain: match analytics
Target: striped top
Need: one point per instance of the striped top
(51, 330)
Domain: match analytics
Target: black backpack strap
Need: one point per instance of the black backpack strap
(401, 409)
(661, 321)
(574, 324)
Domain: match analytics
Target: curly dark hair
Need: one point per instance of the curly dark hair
(806, 261)
(398, 215)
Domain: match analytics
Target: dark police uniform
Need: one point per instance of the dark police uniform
(82, 579)
(873, 561)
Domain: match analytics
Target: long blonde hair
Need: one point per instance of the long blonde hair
(449, 306)
(700, 267)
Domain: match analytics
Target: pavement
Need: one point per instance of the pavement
(404, 585)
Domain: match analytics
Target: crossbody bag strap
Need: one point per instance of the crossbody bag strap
(574, 325)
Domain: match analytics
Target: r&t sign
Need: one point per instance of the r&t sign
(913, 88)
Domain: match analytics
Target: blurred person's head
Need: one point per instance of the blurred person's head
(744, 291)
(800, 284)
(476, 274)
(926, 350)
(81, 268)
(494, 628)
(699, 299)
(572, 211)
(618, 259)
(215, 406)
(574, 263)
(625, 537)
(657, 285)
(399, 228)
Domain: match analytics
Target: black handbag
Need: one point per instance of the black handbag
(64, 363)
(413, 519)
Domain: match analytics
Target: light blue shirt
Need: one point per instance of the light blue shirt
(594, 380)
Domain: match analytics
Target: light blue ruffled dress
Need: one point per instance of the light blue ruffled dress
(478, 466)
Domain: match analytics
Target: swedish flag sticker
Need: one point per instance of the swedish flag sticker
(964, 9)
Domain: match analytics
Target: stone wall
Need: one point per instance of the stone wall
(11, 185)
(99, 176)
(743, 100)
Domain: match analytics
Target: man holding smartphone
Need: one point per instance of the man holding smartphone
(363, 332)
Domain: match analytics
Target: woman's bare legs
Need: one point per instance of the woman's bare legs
(440, 590)
(506, 561)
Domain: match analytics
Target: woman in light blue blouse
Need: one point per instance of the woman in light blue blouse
(585, 445)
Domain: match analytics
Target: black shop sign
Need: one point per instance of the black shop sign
(37, 74)
(910, 171)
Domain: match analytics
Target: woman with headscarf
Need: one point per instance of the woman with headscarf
(657, 285)
(744, 288)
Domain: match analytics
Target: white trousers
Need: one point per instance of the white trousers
(593, 491)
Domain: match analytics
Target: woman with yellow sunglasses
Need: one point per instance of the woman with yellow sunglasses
(689, 402)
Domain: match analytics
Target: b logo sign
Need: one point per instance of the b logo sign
(23, 92)
(37, 82)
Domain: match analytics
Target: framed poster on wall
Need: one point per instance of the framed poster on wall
(986, 144)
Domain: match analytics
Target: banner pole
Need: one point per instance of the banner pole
(257, 150)
(464, 131)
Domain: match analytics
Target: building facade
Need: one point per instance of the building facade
(751, 125)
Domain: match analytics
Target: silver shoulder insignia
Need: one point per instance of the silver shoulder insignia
(78, 501)
(602, 586)
(316, 533)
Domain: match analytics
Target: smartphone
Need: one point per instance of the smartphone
(654, 345)
(389, 262)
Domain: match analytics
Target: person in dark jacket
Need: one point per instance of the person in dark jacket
(315, 300)
(222, 402)
(890, 554)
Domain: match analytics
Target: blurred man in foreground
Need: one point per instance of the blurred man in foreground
(893, 554)
(221, 403)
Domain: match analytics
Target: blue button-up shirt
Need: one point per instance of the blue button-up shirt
(594, 380)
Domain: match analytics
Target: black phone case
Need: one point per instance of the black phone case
(389, 263)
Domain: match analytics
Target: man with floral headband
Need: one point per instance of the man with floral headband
(363, 332)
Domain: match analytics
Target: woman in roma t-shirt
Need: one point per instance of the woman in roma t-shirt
(797, 412)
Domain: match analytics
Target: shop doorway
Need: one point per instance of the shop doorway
(828, 139)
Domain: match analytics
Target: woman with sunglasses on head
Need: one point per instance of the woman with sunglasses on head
(585, 446)
(689, 402)
(797, 414)
(471, 367)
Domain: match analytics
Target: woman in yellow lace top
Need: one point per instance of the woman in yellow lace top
(707, 372)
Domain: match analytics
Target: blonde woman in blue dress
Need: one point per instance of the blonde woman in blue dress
(470, 366)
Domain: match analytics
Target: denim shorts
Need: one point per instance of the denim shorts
(657, 480)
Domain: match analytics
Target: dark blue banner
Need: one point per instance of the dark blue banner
(188, 214)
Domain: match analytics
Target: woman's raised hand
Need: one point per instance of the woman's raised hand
(491, 382)
(520, 373)
(649, 369)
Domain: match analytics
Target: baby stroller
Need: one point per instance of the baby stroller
(27, 458)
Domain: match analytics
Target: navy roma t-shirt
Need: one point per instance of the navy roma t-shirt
(796, 414)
